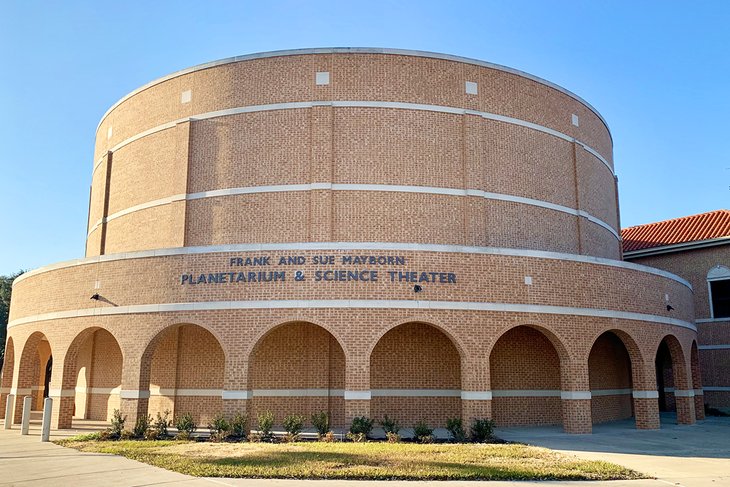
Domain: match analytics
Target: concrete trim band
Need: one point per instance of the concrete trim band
(353, 304)
(714, 347)
(462, 249)
(683, 393)
(645, 394)
(715, 389)
(356, 187)
(356, 50)
(358, 104)
(62, 392)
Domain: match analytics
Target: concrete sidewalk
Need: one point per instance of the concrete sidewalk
(703, 458)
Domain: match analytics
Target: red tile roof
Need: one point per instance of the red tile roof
(705, 226)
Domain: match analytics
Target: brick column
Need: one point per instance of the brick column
(476, 396)
(236, 395)
(699, 404)
(357, 388)
(575, 397)
(685, 401)
(135, 395)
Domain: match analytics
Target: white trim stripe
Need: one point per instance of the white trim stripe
(20, 392)
(715, 389)
(714, 347)
(525, 393)
(698, 392)
(358, 104)
(357, 395)
(352, 304)
(408, 247)
(611, 392)
(236, 395)
(4, 390)
(355, 50)
(575, 395)
(134, 394)
(297, 392)
(358, 187)
(683, 393)
(645, 394)
(61, 392)
(98, 390)
(476, 395)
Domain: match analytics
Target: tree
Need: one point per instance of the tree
(6, 289)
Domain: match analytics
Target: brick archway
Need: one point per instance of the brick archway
(610, 373)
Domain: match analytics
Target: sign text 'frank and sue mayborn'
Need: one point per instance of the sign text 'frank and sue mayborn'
(343, 268)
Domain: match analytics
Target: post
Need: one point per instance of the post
(9, 406)
(25, 422)
(46, 425)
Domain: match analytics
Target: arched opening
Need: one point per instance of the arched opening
(34, 373)
(610, 376)
(415, 375)
(525, 376)
(93, 369)
(298, 368)
(7, 378)
(184, 366)
(672, 374)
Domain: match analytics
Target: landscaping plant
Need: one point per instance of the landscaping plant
(186, 426)
(141, 427)
(266, 423)
(482, 430)
(238, 426)
(161, 423)
(219, 428)
(321, 421)
(455, 426)
(293, 425)
(422, 432)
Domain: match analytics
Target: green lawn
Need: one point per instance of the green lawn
(314, 460)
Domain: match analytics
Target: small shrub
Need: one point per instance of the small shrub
(392, 437)
(482, 430)
(186, 426)
(328, 437)
(105, 435)
(161, 423)
(238, 426)
(389, 425)
(356, 437)
(126, 435)
(152, 434)
(321, 421)
(255, 437)
(422, 432)
(266, 422)
(219, 428)
(117, 425)
(183, 436)
(293, 425)
(141, 427)
(361, 425)
(455, 426)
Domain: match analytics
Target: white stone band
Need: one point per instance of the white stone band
(387, 246)
(61, 392)
(353, 304)
(359, 104)
(476, 395)
(357, 187)
(713, 347)
(526, 393)
(715, 389)
(611, 392)
(645, 394)
(683, 393)
(134, 394)
(575, 395)
(357, 395)
(236, 395)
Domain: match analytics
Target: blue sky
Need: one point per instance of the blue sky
(659, 73)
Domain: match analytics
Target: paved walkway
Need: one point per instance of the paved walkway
(688, 456)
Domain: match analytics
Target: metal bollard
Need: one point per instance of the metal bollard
(25, 422)
(9, 406)
(46, 425)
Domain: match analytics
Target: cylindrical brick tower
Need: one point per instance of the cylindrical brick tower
(360, 232)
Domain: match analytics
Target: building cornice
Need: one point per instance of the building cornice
(667, 249)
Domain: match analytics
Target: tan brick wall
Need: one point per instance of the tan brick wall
(7, 374)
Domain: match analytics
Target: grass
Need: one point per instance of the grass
(364, 461)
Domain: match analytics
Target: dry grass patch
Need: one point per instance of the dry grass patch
(404, 461)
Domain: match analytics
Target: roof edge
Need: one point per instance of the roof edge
(667, 249)
(355, 50)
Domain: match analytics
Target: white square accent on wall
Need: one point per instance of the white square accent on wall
(472, 88)
(186, 96)
(109, 133)
(322, 78)
(528, 280)
(575, 119)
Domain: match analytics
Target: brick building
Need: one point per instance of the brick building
(357, 231)
(697, 248)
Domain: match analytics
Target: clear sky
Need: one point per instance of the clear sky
(658, 71)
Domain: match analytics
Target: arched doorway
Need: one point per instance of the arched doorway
(665, 378)
(525, 379)
(93, 369)
(415, 375)
(34, 373)
(610, 376)
(7, 378)
(298, 368)
(184, 366)
(672, 375)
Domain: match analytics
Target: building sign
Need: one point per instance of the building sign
(345, 268)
